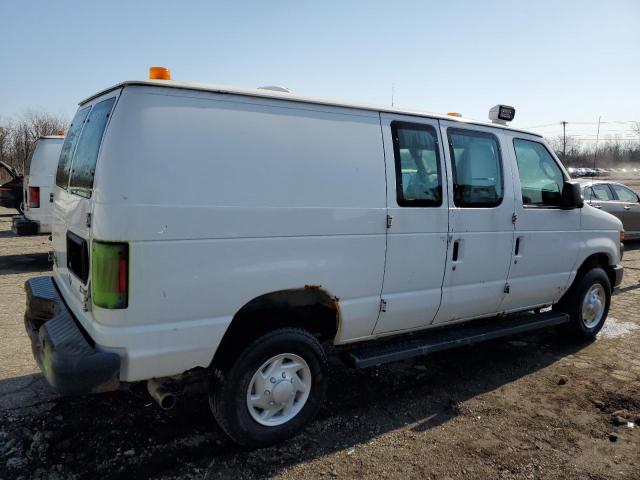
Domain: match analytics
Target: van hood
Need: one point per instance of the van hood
(596, 219)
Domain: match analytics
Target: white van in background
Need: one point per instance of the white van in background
(38, 187)
(230, 232)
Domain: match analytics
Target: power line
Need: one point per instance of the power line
(542, 126)
(558, 124)
(608, 140)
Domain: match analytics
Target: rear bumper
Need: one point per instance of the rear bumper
(23, 226)
(618, 271)
(66, 355)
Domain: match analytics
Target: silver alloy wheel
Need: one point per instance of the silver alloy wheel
(279, 389)
(593, 305)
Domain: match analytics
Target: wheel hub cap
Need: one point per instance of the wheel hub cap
(593, 306)
(279, 389)
(283, 392)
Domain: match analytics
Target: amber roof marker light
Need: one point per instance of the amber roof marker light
(159, 73)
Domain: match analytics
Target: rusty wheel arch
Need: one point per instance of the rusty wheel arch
(310, 307)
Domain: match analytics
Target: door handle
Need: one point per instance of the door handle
(627, 207)
(456, 250)
(517, 250)
(51, 197)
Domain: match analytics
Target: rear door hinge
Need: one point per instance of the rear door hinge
(383, 305)
(514, 218)
(507, 288)
(86, 298)
(389, 221)
(88, 222)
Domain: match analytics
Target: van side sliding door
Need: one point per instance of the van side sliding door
(417, 223)
(481, 226)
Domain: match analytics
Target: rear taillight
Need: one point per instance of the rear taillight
(34, 197)
(110, 274)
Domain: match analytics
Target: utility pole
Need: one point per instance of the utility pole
(564, 142)
(595, 151)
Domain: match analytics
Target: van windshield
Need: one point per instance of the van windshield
(86, 154)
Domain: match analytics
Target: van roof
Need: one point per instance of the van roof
(272, 94)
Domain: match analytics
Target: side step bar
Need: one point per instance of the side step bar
(451, 337)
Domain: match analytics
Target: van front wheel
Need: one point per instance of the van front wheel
(273, 389)
(587, 304)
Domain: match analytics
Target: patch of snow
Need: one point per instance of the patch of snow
(615, 328)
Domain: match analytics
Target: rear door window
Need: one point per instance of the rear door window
(624, 194)
(418, 178)
(69, 146)
(84, 160)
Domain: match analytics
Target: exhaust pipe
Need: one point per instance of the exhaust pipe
(160, 394)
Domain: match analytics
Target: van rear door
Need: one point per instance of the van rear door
(73, 197)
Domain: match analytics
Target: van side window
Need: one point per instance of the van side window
(418, 178)
(541, 178)
(84, 160)
(68, 147)
(477, 168)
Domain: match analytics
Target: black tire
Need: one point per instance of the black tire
(571, 304)
(228, 388)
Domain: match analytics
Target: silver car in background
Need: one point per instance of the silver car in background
(616, 199)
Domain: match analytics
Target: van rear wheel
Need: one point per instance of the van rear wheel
(587, 304)
(273, 389)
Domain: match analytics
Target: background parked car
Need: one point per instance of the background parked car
(617, 199)
(11, 191)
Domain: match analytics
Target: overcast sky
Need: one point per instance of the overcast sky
(552, 60)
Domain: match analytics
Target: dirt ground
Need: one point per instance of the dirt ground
(525, 407)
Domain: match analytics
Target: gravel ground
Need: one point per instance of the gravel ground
(526, 407)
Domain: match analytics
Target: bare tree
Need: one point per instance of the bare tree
(27, 129)
(6, 130)
(561, 144)
(635, 128)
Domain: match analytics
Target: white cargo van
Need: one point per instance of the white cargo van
(234, 232)
(38, 187)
